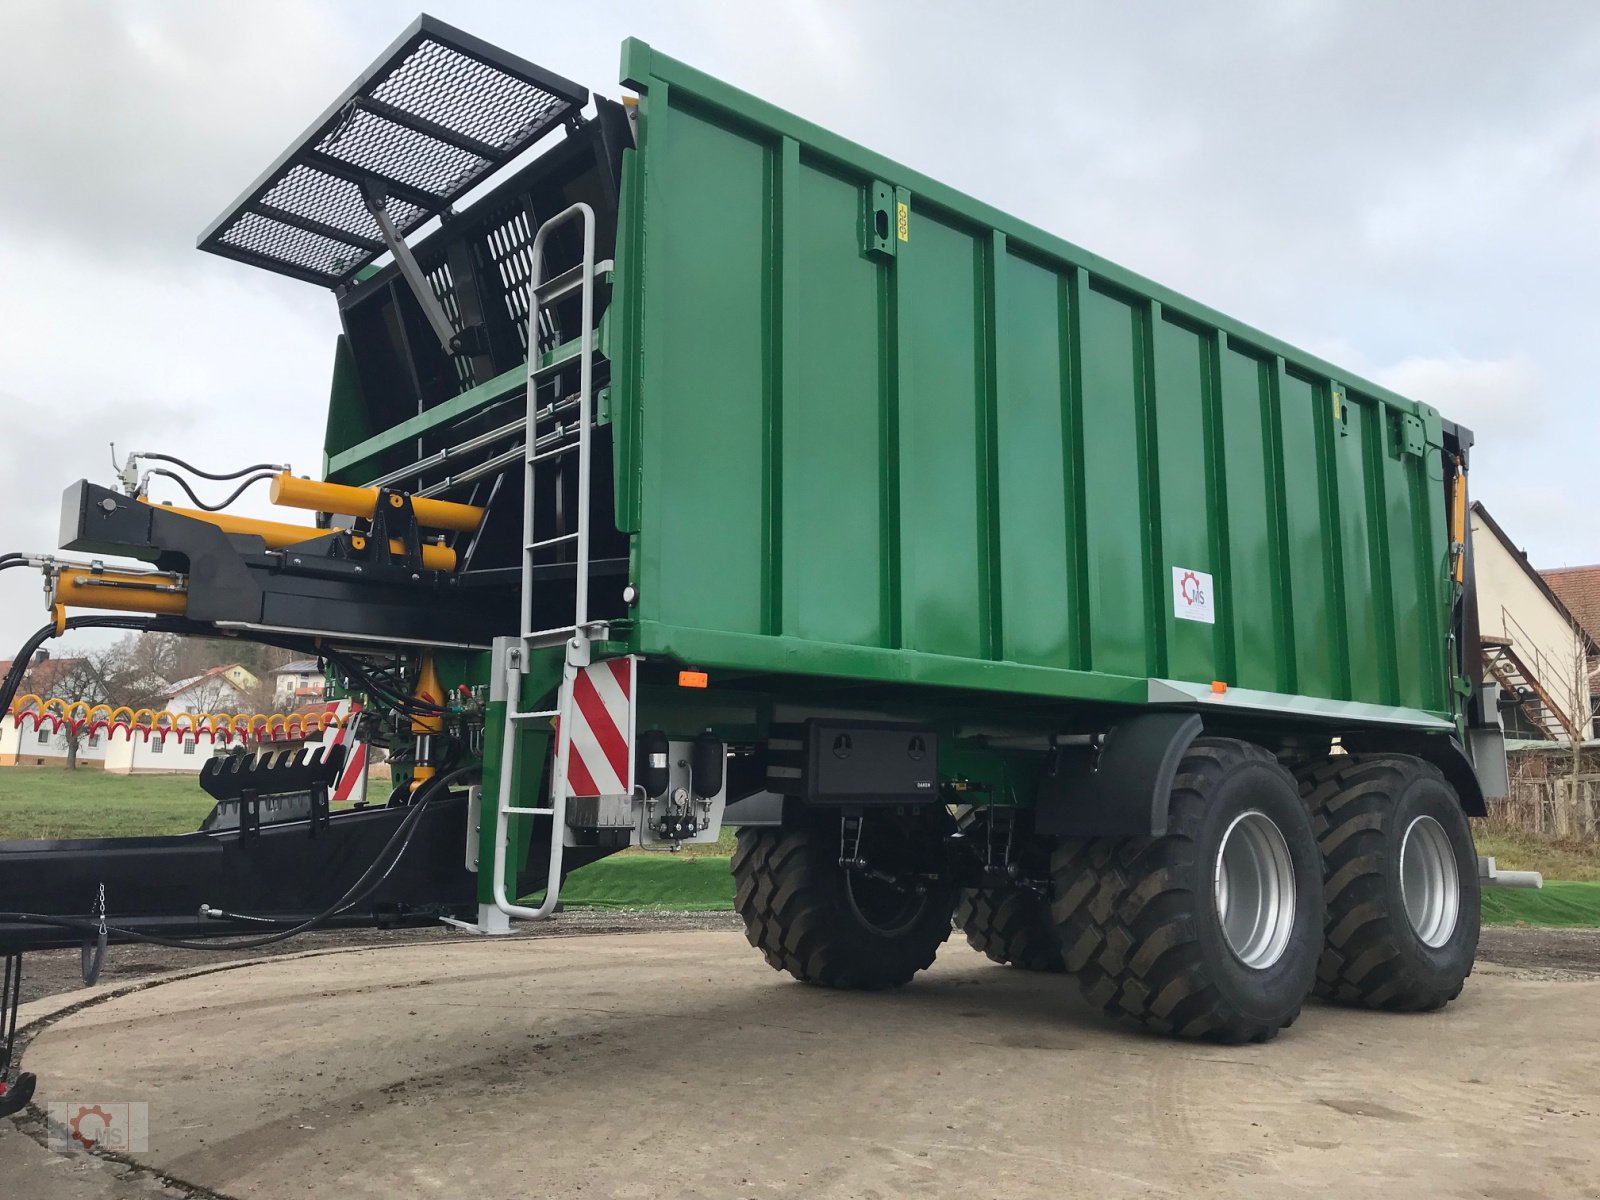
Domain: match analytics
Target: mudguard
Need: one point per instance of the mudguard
(1124, 790)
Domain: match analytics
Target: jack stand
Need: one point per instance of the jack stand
(491, 922)
(14, 1097)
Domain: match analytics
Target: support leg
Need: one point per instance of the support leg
(14, 1097)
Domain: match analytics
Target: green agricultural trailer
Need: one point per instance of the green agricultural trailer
(687, 464)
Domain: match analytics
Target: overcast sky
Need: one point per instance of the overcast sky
(1409, 189)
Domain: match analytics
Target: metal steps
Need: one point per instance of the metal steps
(1513, 675)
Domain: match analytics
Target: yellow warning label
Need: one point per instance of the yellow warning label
(902, 221)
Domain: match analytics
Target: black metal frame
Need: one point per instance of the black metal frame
(568, 100)
(323, 586)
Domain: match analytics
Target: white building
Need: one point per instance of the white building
(221, 689)
(117, 750)
(1532, 645)
(296, 683)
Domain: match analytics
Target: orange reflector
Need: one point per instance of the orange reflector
(693, 679)
(1218, 686)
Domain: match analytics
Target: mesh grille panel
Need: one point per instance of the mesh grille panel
(379, 145)
(432, 82)
(266, 238)
(432, 118)
(336, 202)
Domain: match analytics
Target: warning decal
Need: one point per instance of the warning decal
(601, 763)
(1192, 596)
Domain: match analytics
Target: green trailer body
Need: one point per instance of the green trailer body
(710, 467)
(928, 443)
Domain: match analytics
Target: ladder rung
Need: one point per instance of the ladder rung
(533, 716)
(544, 640)
(530, 812)
(560, 285)
(563, 358)
(553, 629)
(568, 281)
(555, 541)
(557, 452)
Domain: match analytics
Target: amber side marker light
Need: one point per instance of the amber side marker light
(1218, 687)
(697, 679)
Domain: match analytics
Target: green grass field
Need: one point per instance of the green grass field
(51, 802)
(46, 802)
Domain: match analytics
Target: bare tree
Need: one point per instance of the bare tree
(85, 683)
(1580, 784)
(212, 694)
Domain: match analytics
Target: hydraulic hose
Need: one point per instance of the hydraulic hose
(220, 505)
(24, 659)
(399, 842)
(274, 468)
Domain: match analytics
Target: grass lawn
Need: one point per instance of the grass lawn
(1558, 902)
(52, 802)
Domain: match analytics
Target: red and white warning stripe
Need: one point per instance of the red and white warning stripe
(352, 785)
(601, 761)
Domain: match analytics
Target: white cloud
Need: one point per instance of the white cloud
(1503, 401)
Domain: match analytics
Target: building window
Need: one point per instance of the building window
(188, 745)
(44, 737)
(157, 745)
(94, 739)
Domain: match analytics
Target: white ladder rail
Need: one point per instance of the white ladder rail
(541, 293)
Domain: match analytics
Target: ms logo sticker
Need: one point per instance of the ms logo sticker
(1192, 596)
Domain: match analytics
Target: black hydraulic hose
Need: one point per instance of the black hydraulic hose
(399, 841)
(24, 659)
(274, 468)
(407, 704)
(220, 505)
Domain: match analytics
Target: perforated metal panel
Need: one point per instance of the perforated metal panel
(434, 116)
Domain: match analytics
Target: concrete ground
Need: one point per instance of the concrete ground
(676, 1064)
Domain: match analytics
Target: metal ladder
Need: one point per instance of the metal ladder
(541, 449)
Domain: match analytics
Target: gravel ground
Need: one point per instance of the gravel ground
(49, 972)
(783, 1026)
(1563, 952)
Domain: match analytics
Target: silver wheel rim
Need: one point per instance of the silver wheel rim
(1429, 884)
(1253, 882)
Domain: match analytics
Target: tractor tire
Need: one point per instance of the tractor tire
(1400, 882)
(833, 927)
(1213, 929)
(1013, 926)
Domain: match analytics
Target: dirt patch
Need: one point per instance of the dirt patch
(1575, 951)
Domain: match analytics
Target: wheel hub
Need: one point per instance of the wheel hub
(1429, 883)
(1253, 883)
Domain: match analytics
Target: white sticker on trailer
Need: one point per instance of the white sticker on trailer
(1192, 597)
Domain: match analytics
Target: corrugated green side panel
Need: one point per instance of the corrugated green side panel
(970, 453)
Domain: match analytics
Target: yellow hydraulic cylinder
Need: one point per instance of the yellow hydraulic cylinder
(121, 591)
(363, 502)
(1458, 523)
(425, 728)
(277, 535)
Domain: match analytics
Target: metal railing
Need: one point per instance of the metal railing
(1541, 672)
